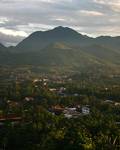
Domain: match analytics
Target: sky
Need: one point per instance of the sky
(19, 18)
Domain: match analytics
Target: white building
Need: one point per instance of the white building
(85, 110)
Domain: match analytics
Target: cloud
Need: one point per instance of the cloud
(3, 20)
(91, 13)
(9, 39)
(19, 18)
(12, 32)
(112, 4)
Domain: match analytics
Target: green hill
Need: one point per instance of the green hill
(65, 48)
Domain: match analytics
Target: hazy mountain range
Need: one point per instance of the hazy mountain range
(63, 47)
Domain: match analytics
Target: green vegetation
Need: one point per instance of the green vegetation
(27, 120)
(60, 90)
(64, 49)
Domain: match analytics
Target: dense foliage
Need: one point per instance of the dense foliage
(40, 129)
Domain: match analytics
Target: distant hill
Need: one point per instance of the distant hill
(63, 47)
(2, 47)
(108, 41)
(41, 39)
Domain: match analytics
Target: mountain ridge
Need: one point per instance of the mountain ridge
(62, 46)
(62, 29)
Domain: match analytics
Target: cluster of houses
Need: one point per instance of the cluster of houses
(11, 118)
(10, 115)
(60, 91)
(43, 81)
(112, 102)
(70, 112)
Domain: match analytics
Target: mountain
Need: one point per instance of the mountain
(63, 47)
(104, 53)
(4, 55)
(40, 39)
(2, 47)
(108, 41)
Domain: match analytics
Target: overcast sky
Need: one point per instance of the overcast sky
(19, 18)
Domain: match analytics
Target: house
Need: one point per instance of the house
(12, 118)
(117, 104)
(108, 101)
(76, 94)
(37, 80)
(71, 112)
(85, 110)
(68, 115)
(71, 108)
(12, 103)
(28, 99)
(117, 123)
(57, 109)
(45, 80)
(53, 89)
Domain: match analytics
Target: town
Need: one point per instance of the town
(53, 105)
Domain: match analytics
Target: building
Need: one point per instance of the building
(85, 110)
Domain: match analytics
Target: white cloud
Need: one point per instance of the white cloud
(93, 17)
(3, 20)
(91, 13)
(60, 19)
(13, 32)
(113, 4)
(109, 31)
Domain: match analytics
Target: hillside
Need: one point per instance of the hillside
(40, 39)
(63, 47)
